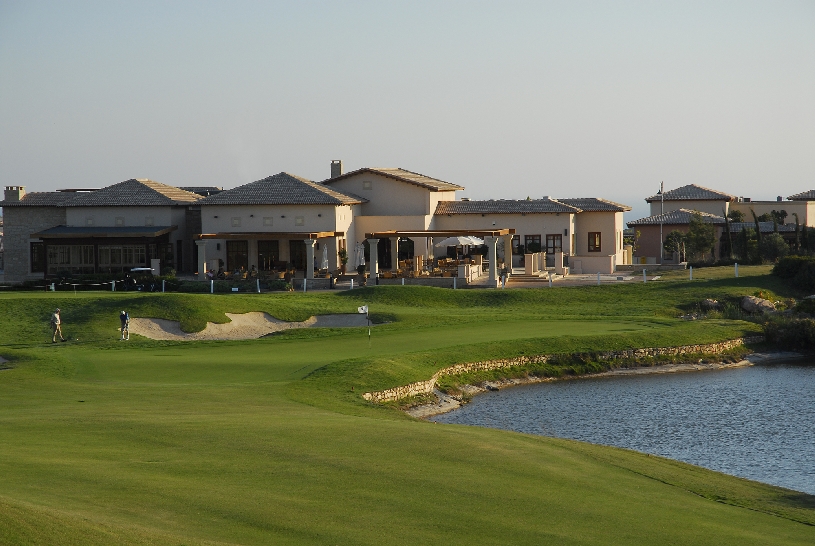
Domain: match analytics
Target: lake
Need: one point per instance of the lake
(756, 422)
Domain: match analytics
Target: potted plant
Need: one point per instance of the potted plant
(343, 259)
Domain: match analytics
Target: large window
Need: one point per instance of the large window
(297, 253)
(121, 257)
(532, 243)
(554, 243)
(268, 255)
(594, 241)
(68, 259)
(237, 255)
(37, 258)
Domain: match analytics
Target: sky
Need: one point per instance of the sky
(509, 99)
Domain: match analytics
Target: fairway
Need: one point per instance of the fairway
(268, 440)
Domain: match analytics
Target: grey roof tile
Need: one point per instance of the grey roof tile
(803, 196)
(134, 192)
(403, 175)
(692, 192)
(766, 227)
(595, 204)
(282, 189)
(677, 217)
(41, 199)
(504, 206)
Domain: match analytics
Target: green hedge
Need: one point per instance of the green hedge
(799, 270)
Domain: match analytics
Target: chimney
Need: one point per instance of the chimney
(779, 198)
(14, 193)
(336, 168)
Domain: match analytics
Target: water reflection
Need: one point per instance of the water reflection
(757, 422)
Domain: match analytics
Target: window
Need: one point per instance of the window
(366, 185)
(237, 255)
(37, 258)
(268, 255)
(148, 220)
(69, 258)
(516, 244)
(122, 257)
(268, 221)
(554, 243)
(120, 221)
(532, 243)
(299, 221)
(236, 222)
(594, 241)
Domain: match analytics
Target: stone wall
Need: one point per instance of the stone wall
(20, 223)
(426, 387)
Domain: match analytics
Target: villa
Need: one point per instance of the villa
(285, 221)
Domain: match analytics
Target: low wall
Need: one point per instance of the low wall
(426, 387)
(441, 282)
(311, 284)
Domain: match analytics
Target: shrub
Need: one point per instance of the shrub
(790, 333)
(800, 270)
(773, 247)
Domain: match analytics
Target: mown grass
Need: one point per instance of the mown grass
(269, 441)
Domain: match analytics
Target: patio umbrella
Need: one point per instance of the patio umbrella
(460, 240)
(324, 264)
(359, 255)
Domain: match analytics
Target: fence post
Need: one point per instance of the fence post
(598, 278)
(112, 286)
(212, 286)
(691, 272)
(737, 270)
(162, 285)
(550, 280)
(258, 281)
(305, 280)
(454, 282)
(644, 279)
(352, 284)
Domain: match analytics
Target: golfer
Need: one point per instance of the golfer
(56, 326)
(124, 318)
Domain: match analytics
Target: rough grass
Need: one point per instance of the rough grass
(269, 441)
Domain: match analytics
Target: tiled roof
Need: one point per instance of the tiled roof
(677, 217)
(766, 227)
(692, 192)
(204, 191)
(403, 175)
(134, 192)
(504, 206)
(102, 231)
(803, 196)
(282, 189)
(594, 204)
(41, 199)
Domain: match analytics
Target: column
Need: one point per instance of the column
(373, 266)
(491, 243)
(394, 253)
(419, 251)
(202, 260)
(508, 252)
(309, 272)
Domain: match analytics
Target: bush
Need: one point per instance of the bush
(227, 286)
(773, 247)
(790, 333)
(800, 270)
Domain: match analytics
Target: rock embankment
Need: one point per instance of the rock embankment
(427, 387)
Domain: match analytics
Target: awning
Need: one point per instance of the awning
(101, 232)
(448, 233)
(271, 235)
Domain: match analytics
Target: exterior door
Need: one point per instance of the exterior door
(297, 253)
(237, 255)
(268, 254)
(554, 243)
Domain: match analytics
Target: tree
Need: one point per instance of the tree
(756, 219)
(797, 233)
(700, 238)
(736, 216)
(779, 216)
(727, 246)
(675, 242)
(773, 247)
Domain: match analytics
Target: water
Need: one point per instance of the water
(756, 422)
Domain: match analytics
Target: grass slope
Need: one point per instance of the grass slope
(268, 441)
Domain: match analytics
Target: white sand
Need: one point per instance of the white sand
(241, 326)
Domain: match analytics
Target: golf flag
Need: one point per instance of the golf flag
(363, 310)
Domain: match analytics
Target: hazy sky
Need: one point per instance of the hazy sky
(510, 99)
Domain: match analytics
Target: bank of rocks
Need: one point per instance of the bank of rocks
(427, 387)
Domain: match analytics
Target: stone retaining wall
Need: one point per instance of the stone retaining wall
(426, 387)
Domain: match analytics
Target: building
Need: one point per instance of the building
(286, 219)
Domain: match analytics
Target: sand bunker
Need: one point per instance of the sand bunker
(242, 326)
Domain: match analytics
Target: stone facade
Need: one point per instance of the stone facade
(20, 223)
(426, 387)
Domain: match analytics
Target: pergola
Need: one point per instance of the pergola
(309, 238)
(490, 237)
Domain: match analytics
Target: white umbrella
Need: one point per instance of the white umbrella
(460, 240)
(359, 255)
(324, 264)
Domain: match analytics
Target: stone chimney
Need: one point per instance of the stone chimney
(14, 193)
(336, 168)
